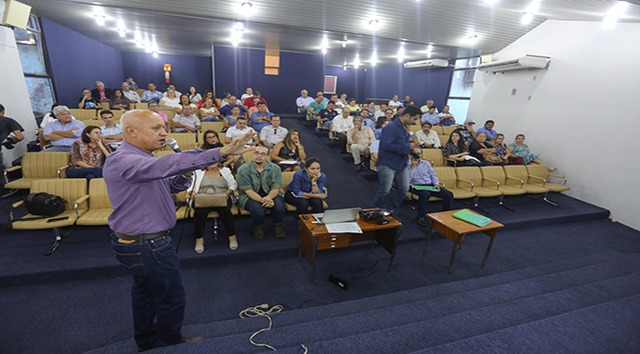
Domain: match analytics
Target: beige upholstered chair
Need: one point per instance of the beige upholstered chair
(518, 175)
(73, 190)
(448, 130)
(217, 126)
(539, 176)
(495, 174)
(186, 141)
(448, 178)
(470, 178)
(37, 166)
(84, 114)
(99, 205)
(434, 156)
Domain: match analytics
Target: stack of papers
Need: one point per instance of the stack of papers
(472, 218)
(344, 227)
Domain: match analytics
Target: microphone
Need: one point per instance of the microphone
(173, 144)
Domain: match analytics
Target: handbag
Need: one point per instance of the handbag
(493, 158)
(204, 200)
(44, 204)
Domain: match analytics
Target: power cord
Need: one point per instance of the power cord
(264, 310)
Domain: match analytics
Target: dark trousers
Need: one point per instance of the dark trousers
(85, 172)
(258, 212)
(342, 138)
(423, 200)
(302, 204)
(200, 219)
(157, 295)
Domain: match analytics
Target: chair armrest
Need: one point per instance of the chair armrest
(468, 182)
(492, 180)
(17, 204)
(79, 201)
(517, 179)
(455, 162)
(544, 181)
(10, 169)
(563, 178)
(62, 169)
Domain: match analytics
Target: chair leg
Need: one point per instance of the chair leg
(477, 207)
(215, 229)
(10, 193)
(59, 237)
(548, 201)
(500, 199)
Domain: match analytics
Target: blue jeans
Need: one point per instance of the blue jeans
(302, 204)
(85, 172)
(157, 294)
(258, 212)
(386, 177)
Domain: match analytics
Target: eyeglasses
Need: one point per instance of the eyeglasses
(258, 153)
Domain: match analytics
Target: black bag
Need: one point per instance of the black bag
(44, 204)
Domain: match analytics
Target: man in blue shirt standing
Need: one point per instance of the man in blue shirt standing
(140, 186)
(392, 159)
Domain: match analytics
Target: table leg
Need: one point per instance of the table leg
(486, 254)
(426, 243)
(453, 252)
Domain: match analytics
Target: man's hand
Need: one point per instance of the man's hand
(236, 147)
(267, 202)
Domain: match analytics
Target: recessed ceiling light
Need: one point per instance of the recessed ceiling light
(121, 28)
(356, 61)
(155, 54)
(472, 40)
(246, 7)
(374, 24)
(138, 39)
(611, 18)
(527, 17)
(401, 54)
(374, 59)
(100, 17)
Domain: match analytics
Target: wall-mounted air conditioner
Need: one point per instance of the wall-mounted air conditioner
(523, 63)
(429, 63)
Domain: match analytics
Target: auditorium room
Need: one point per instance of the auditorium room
(302, 176)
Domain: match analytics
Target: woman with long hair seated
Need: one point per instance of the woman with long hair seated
(307, 188)
(212, 141)
(503, 151)
(208, 94)
(213, 180)
(184, 101)
(209, 112)
(88, 154)
(425, 183)
(289, 153)
(194, 96)
(482, 150)
(118, 101)
(455, 149)
(519, 148)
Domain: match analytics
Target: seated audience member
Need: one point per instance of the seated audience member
(353, 106)
(225, 99)
(254, 109)
(289, 153)
(316, 106)
(519, 148)
(230, 120)
(111, 132)
(247, 93)
(273, 134)
(208, 112)
(49, 116)
(366, 119)
(394, 103)
(118, 101)
(431, 116)
(446, 118)
(455, 149)
(371, 108)
(261, 118)
(325, 100)
(238, 130)
(88, 155)
(155, 108)
(359, 139)
(10, 132)
(170, 101)
(428, 106)
(208, 95)
(100, 93)
(467, 132)
(212, 141)
(186, 122)
(151, 94)
(184, 101)
(87, 101)
(407, 100)
(303, 101)
(343, 99)
(172, 87)
(427, 138)
(341, 125)
(503, 151)
(225, 110)
(62, 132)
(132, 84)
(249, 101)
(325, 116)
(422, 174)
(482, 150)
(259, 183)
(307, 188)
(411, 103)
(130, 94)
(399, 113)
(214, 179)
(338, 104)
(381, 112)
(194, 96)
(487, 129)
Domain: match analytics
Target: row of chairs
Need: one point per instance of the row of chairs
(498, 181)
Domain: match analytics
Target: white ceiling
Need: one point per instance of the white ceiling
(191, 27)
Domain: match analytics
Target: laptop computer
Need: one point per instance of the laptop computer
(337, 215)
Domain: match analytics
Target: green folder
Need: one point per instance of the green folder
(426, 188)
(472, 218)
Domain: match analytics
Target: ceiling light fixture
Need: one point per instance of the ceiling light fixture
(236, 33)
(155, 54)
(374, 59)
(530, 12)
(429, 50)
(401, 54)
(344, 66)
(121, 28)
(99, 16)
(324, 45)
(138, 39)
(611, 18)
(356, 61)
(246, 8)
(472, 40)
(374, 24)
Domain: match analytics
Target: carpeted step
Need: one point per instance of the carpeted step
(353, 318)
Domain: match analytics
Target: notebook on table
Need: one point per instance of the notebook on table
(471, 217)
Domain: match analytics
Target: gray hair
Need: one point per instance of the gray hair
(60, 109)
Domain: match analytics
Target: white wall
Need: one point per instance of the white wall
(582, 114)
(13, 93)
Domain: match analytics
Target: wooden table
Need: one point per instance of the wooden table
(455, 229)
(315, 237)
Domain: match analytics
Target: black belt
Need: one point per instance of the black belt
(141, 236)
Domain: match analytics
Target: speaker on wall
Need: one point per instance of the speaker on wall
(16, 14)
